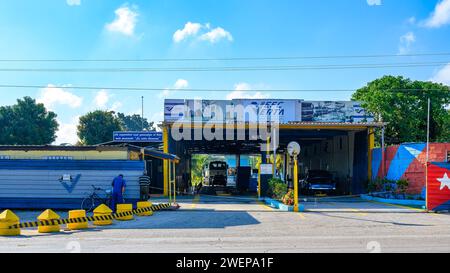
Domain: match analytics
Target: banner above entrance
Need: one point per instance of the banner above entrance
(257, 110)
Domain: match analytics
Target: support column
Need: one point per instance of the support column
(371, 145)
(165, 162)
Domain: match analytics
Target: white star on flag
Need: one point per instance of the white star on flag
(445, 182)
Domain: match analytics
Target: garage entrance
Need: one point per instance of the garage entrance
(344, 150)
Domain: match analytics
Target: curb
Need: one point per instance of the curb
(401, 202)
(280, 206)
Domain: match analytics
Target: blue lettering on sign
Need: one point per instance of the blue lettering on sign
(73, 183)
(144, 136)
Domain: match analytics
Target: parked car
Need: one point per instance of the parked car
(215, 174)
(318, 181)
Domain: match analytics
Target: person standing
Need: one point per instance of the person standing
(118, 191)
(144, 184)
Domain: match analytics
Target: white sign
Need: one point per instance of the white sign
(266, 168)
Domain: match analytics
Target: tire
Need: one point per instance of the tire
(87, 204)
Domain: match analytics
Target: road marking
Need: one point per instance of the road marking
(359, 212)
(264, 205)
(195, 201)
(302, 215)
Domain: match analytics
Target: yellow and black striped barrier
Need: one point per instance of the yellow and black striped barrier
(113, 216)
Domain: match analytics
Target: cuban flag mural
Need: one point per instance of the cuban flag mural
(408, 161)
(438, 191)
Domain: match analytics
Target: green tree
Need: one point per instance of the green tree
(134, 122)
(402, 103)
(27, 123)
(98, 127)
(198, 161)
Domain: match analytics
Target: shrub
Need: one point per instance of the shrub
(381, 185)
(402, 186)
(277, 188)
(288, 198)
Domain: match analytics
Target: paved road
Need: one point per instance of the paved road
(222, 224)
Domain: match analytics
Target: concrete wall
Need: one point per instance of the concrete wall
(407, 161)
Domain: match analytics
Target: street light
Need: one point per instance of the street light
(293, 150)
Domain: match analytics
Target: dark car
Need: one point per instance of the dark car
(318, 181)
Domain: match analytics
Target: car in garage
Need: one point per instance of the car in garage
(215, 173)
(318, 181)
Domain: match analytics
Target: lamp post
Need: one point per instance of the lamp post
(293, 149)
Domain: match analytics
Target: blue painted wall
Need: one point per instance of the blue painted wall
(36, 183)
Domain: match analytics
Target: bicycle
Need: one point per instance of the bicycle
(94, 199)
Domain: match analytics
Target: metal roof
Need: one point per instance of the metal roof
(61, 148)
(343, 124)
(291, 123)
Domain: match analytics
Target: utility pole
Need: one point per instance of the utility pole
(142, 116)
(428, 154)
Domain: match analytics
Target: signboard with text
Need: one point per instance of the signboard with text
(144, 136)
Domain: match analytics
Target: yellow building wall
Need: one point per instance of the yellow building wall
(75, 155)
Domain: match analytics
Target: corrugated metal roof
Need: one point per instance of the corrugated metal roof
(60, 148)
(357, 124)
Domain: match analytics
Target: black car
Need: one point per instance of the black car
(318, 181)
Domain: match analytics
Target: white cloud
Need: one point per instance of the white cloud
(101, 99)
(406, 41)
(443, 75)
(374, 2)
(125, 21)
(190, 29)
(440, 16)
(216, 35)
(194, 29)
(73, 2)
(241, 91)
(67, 132)
(179, 84)
(52, 95)
(157, 118)
(115, 106)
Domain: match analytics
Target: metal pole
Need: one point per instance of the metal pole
(274, 166)
(295, 184)
(383, 154)
(142, 116)
(428, 154)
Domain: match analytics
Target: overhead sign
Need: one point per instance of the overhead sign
(281, 110)
(144, 136)
(271, 109)
(333, 111)
(171, 113)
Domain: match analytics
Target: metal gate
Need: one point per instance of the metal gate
(438, 186)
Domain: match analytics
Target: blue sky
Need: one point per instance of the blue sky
(133, 29)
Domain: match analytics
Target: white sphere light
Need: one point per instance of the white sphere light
(293, 148)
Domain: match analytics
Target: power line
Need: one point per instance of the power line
(234, 58)
(200, 89)
(229, 68)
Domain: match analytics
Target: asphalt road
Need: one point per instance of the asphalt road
(222, 224)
